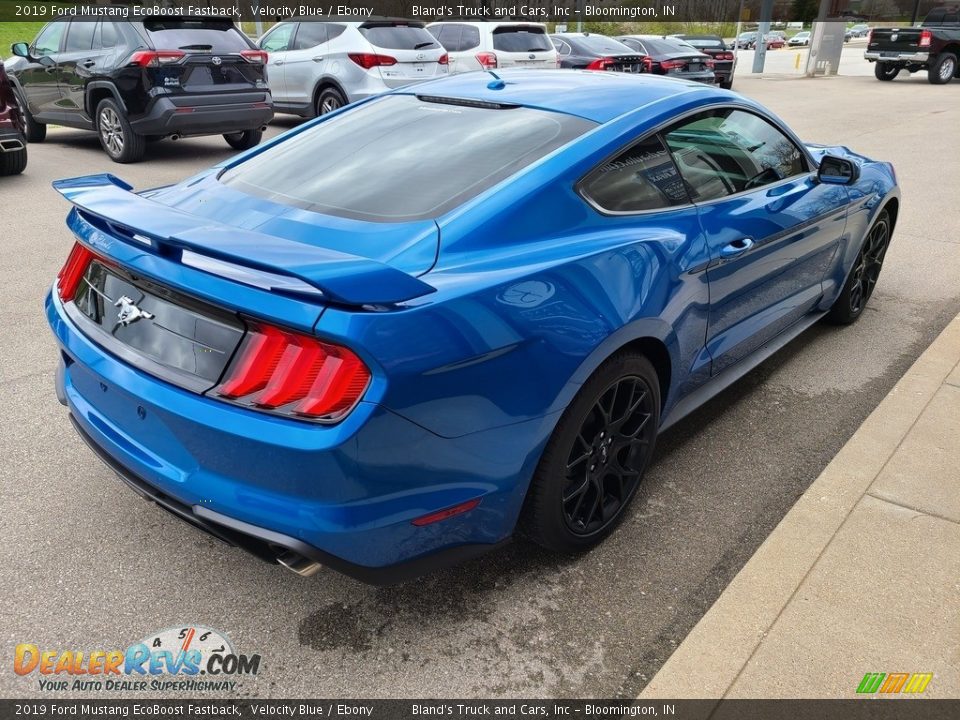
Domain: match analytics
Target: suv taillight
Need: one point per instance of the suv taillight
(487, 60)
(287, 373)
(258, 57)
(925, 38)
(70, 275)
(156, 58)
(869, 36)
(370, 60)
(444, 59)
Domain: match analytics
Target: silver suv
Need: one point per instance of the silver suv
(316, 67)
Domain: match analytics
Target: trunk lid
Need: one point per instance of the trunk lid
(895, 40)
(415, 51)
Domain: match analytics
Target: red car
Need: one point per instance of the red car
(774, 41)
(13, 143)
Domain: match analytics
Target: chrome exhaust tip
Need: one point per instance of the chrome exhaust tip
(263, 128)
(11, 145)
(295, 562)
(175, 136)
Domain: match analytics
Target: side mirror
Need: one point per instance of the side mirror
(20, 49)
(838, 171)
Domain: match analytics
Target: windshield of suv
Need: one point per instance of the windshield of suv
(216, 36)
(400, 158)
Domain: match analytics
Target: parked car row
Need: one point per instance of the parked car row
(172, 77)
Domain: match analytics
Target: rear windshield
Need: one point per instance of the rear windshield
(400, 158)
(218, 36)
(399, 37)
(712, 43)
(665, 46)
(602, 45)
(514, 38)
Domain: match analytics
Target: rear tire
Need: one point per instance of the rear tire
(35, 131)
(117, 137)
(863, 277)
(885, 71)
(329, 100)
(943, 69)
(14, 163)
(244, 140)
(596, 457)
(727, 85)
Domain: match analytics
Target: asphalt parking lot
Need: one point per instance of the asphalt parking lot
(88, 565)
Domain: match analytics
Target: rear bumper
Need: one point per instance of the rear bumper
(205, 114)
(343, 496)
(905, 57)
(11, 140)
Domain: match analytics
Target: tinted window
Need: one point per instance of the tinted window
(380, 161)
(561, 46)
(107, 36)
(48, 42)
(722, 152)
(80, 36)
(447, 35)
(634, 45)
(470, 38)
(277, 39)
(711, 43)
(310, 35)
(398, 37)
(219, 36)
(641, 178)
(518, 38)
(334, 31)
(600, 45)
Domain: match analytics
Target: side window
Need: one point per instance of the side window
(447, 35)
(727, 151)
(334, 31)
(278, 38)
(634, 44)
(48, 41)
(106, 36)
(643, 177)
(561, 47)
(310, 34)
(470, 38)
(80, 36)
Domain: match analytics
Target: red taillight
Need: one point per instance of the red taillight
(258, 57)
(600, 64)
(370, 60)
(155, 58)
(444, 60)
(672, 64)
(487, 60)
(925, 37)
(724, 56)
(69, 277)
(710, 63)
(295, 374)
(869, 36)
(447, 513)
(648, 64)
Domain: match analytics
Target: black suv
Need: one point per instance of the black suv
(139, 81)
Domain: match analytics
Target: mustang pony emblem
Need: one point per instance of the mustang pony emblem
(130, 313)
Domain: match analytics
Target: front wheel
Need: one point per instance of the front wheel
(244, 140)
(117, 137)
(864, 275)
(885, 71)
(596, 458)
(943, 69)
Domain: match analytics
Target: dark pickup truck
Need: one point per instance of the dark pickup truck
(934, 47)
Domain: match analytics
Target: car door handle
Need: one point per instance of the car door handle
(318, 58)
(737, 247)
(277, 62)
(88, 63)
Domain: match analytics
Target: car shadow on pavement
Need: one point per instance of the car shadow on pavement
(207, 149)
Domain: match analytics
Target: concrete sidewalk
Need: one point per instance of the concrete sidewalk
(863, 573)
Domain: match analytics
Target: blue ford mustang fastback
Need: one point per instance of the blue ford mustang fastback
(393, 336)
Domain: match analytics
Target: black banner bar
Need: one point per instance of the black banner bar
(874, 708)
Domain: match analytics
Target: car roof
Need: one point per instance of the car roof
(596, 96)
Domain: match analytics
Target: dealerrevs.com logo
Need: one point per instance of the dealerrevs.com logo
(190, 659)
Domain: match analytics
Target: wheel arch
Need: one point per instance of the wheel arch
(326, 81)
(99, 90)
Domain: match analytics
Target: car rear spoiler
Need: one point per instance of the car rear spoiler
(340, 277)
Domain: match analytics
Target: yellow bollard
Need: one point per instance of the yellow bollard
(796, 63)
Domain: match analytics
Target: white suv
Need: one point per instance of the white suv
(316, 67)
(489, 45)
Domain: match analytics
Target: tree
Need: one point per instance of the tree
(804, 11)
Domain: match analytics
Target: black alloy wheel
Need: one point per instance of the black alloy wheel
(866, 271)
(608, 456)
(596, 457)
